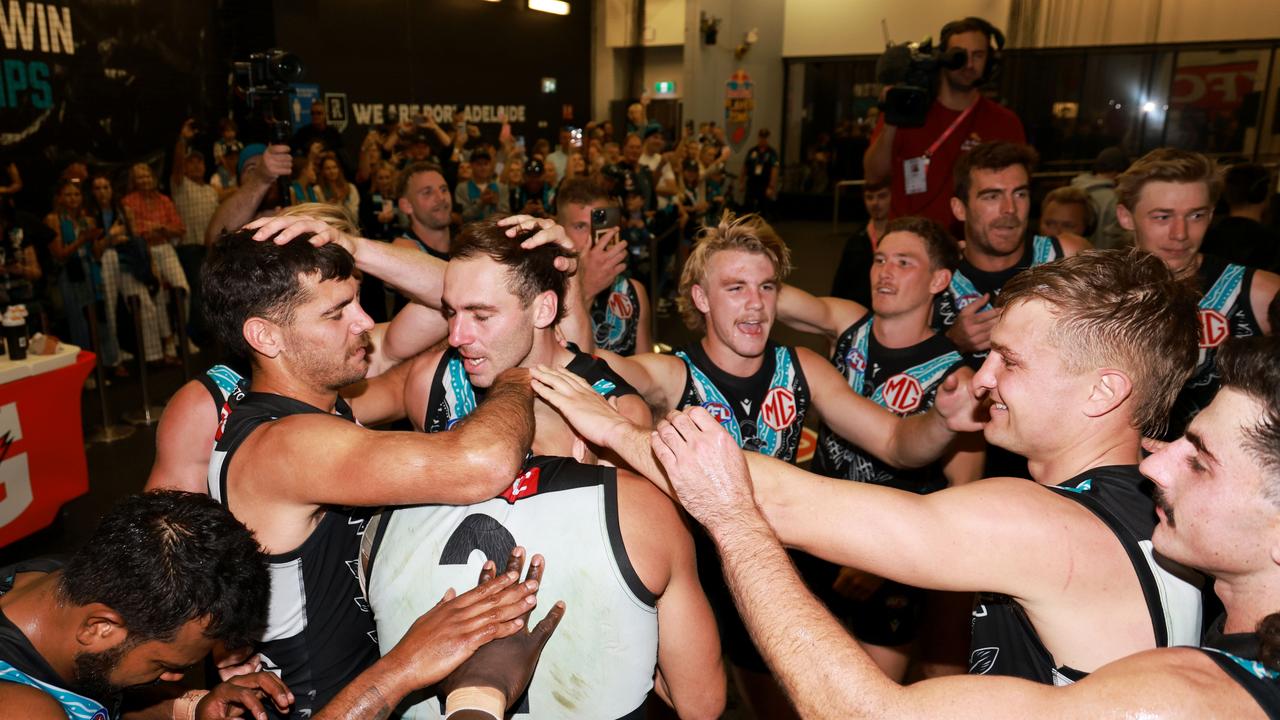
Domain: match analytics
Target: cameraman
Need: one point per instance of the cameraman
(918, 161)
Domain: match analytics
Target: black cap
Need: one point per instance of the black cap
(651, 131)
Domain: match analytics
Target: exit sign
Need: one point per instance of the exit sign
(665, 87)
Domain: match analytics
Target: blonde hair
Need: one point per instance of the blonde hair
(1167, 165)
(328, 213)
(1122, 309)
(749, 233)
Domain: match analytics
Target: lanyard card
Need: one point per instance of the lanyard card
(915, 174)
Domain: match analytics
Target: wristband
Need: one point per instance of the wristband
(184, 708)
(484, 699)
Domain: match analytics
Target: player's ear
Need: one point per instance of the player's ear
(100, 628)
(699, 297)
(958, 209)
(263, 336)
(1110, 388)
(545, 309)
(940, 280)
(1124, 217)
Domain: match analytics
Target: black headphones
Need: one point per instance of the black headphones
(995, 42)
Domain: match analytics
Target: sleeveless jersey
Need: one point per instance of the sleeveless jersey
(319, 633)
(1004, 641)
(968, 283)
(1225, 312)
(452, 397)
(21, 663)
(764, 412)
(615, 317)
(1237, 654)
(600, 662)
(904, 380)
(227, 388)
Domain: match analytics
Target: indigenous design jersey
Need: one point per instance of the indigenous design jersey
(319, 634)
(600, 662)
(904, 380)
(227, 388)
(763, 412)
(21, 663)
(1237, 654)
(615, 317)
(453, 397)
(968, 283)
(1225, 312)
(1005, 643)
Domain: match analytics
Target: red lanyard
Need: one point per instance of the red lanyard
(954, 124)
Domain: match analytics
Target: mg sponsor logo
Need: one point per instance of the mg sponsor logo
(621, 305)
(1214, 329)
(902, 393)
(779, 408)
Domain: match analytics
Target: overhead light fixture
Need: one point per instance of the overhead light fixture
(555, 7)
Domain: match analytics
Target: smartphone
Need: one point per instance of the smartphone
(575, 137)
(604, 222)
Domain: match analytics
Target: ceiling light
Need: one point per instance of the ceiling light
(555, 7)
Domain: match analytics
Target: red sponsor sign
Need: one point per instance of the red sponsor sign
(1214, 329)
(42, 462)
(621, 305)
(525, 485)
(779, 408)
(902, 393)
(1222, 86)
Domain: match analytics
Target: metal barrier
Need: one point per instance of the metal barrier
(108, 432)
(149, 414)
(179, 298)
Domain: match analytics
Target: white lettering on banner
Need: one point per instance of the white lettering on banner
(378, 113)
(15, 475)
(22, 24)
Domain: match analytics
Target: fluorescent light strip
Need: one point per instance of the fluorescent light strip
(555, 7)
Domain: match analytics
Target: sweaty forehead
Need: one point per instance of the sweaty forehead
(741, 265)
(1162, 195)
(476, 280)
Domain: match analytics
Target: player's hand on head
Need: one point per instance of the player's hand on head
(507, 664)
(245, 694)
(587, 411)
(446, 635)
(705, 466)
(280, 229)
(546, 232)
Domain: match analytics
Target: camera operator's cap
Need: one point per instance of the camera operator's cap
(651, 131)
(480, 155)
(533, 167)
(249, 151)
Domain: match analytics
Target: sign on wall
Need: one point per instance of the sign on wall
(739, 104)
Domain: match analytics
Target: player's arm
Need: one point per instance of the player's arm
(644, 331)
(690, 675)
(828, 675)
(658, 378)
(346, 464)
(1264, 289)
(417, 387)
(379, 399)
(989, 535)
(184, 441)
(414, 329)
(25, 701)
(827, 316)
(966, 458)
(877, 160)
(912, 441)
(1073, 244)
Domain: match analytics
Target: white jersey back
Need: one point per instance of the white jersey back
(600, 662)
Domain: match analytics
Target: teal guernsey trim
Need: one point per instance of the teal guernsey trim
(603, 386)
(458, 385)
(1042, 250)
(77, 707)
(926, 373)
(1253, 667)
(1225, 290)
(228, 380)
(783, 373)
(861, 340)
(962, 287)
(710, 394)
(1080, 489)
